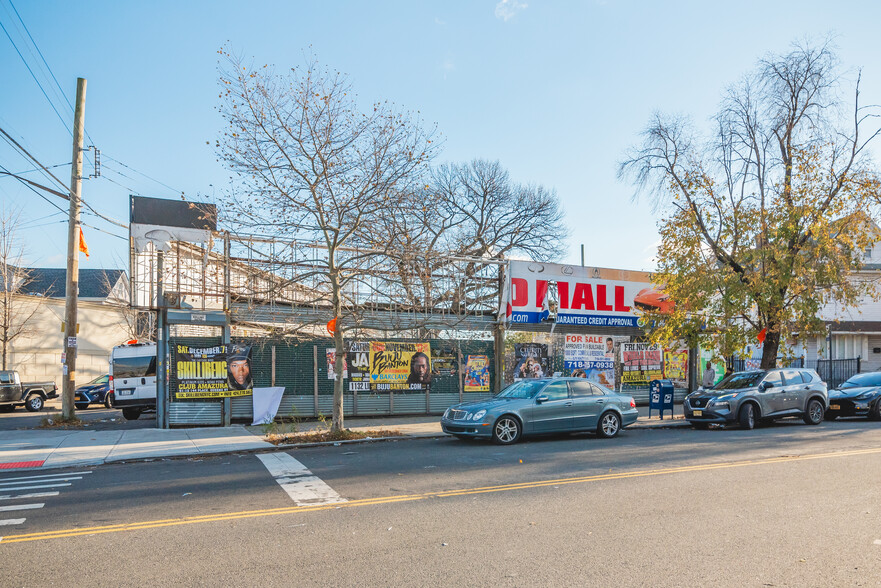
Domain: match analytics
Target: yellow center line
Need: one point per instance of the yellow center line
(190, 520)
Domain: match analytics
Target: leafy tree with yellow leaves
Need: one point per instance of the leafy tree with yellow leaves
(765, 221)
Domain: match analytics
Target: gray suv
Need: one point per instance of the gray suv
(749, 397)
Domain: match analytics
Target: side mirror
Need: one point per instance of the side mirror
(765, 385)
(541, 398)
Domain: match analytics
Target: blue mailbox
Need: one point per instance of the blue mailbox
(661, 397)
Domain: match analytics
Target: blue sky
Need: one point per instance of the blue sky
(556, 91)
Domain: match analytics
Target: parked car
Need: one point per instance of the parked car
(95, 392)
(859, 395)
(133, 378)
(31, 395)
(762, 395)
(546, 405)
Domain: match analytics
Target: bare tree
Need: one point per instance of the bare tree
(471, 211)
(16, 310)
(766, 220)
(310, 163)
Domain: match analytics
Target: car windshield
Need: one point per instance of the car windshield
(99, 380)
(739, 380)
(862, 381)
(522, 389)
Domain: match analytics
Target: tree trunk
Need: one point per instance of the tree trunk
(340, 353)
(769, 349)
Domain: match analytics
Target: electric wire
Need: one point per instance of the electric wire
(37, 47)
(32, 189)
(35, 79)
(175, 190)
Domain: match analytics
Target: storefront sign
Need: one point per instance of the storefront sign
(586, 296)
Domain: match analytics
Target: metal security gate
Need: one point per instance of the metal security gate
(301, 368)
(189, 328)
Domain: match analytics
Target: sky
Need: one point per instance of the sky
(555, 91)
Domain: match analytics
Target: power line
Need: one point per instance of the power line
(32, 189)
(175, 190)
(8, 36)
(49, 69)
(27, 171)
(34, 159)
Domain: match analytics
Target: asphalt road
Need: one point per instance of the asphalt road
(784, 505)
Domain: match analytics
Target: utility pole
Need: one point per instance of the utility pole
(73, 255)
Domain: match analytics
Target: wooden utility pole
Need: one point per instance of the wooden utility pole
(73, 255)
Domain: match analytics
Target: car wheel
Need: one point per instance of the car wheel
(506, 431)
(108, 400)
(747, 416)
(701, 426)
(814, 414)
(34, 403)
(131, 414)
(81, 405)
(875, 413)
(609, 425)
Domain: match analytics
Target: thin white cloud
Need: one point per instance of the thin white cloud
(508, 9)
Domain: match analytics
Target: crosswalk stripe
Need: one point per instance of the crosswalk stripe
(11, 522)
(16, 489)
(44, 476)
(22, 506)
(301, 485)
(59, 479)
(31, 495)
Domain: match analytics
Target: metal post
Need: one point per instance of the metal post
(227, 402)
(273, 365)
(462, 368)
(162, 419)
(315, 376)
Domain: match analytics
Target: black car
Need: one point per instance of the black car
(859, 395)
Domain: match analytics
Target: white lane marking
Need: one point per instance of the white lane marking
(40, 481)
(302, 486)
(11, 522)
(16, 489)
(31, 495)
(46, 476)
(22, 506)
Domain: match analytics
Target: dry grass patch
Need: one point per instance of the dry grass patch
(57, 421)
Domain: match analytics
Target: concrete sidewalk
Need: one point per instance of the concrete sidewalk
(38, 448)
(50, 448)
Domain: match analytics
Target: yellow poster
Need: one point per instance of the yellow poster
(676, 365)
(400, 366)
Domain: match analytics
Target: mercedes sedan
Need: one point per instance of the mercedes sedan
(536, 407)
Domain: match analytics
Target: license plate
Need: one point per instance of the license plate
(834, 407)
(698, 413)
(125, 392)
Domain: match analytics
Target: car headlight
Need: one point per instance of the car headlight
(446, 414)
(866, 395)
(478, 415)
(725, 397)
(721, 405)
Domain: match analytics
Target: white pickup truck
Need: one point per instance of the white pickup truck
(31, 395)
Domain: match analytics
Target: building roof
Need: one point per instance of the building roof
(52, 282)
